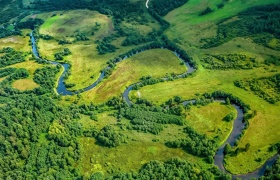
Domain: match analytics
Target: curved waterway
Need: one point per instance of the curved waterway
(219, 157)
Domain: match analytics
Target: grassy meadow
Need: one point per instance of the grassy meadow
(187, 27)
(19, 43)
(151, 62)
(209, 120)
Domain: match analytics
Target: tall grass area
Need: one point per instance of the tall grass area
(148, 63)
(67, 24)
(209, 120)
(19, 43)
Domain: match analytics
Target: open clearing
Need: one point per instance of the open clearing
(19, 43)
(209, 120)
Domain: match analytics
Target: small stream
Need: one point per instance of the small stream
(219, 157)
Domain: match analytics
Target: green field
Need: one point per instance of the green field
(149, 63)
(67, 24)
(16, 42)
(209, 120)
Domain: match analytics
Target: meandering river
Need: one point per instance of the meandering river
(219, 157)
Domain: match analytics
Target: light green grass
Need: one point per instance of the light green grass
(188, 27)
(67, 24)
(209, 120)
(24, 84)
(156, 63)
(103, 119)
(19, 43)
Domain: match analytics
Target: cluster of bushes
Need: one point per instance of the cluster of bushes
(104, 47)
(10, 57)
(59, 55)
(206, 11)
(81, 37)
(4, 32)
(195, 144)
(174, 168)
(46, 77)
(229, 61)
(273, 172)
(272, 60)
(150, 121)
(267, 88)
(255, 20)
(162, 7)
(109, 137)
(63, 41)
(31, 23)
(6, 72)
(46, 36)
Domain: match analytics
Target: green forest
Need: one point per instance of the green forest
(132, 89)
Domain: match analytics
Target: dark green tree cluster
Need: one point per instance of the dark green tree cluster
(10, 57)
(229, 61)
(273, 172)
(46, 36)
(206, 11)
(6, 72)
(104, 48)
(109, 137)
(81, 37)
(59, 55)
(229, 117)
(30, 23)
(162, 7)
(10, 9)
(195, 144)
(175, 168)
(251, 22)
(267, 88)
(25, 152)
(272, 60)
(4, 32)
(142, 119)
(46, 78)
